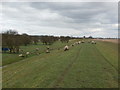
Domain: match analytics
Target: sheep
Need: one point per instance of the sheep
(21, 55)
(27, 53)
(47, 51)
(93, 42)
(76, 43)
(48, 48)
(66, 48)
(82, 41)
(79, 42)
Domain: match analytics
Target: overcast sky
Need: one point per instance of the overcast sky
(98, 19)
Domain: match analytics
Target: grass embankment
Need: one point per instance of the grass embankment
(83, 66)
(8, 58)
(110, 51)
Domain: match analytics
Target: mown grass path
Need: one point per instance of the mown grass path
(90, 70)
(67, 68)
(83, 66)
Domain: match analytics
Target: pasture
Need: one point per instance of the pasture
(11, 58)
(83, 66)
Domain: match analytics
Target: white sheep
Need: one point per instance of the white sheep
(79, 42)
(82, 41)
(21, 55)
(93, 42)
(66, 48)
(47, 51)
(27, 53)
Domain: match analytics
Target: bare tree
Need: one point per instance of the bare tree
(48, 39)
(10, 39)
(26, 39)
(64, 39)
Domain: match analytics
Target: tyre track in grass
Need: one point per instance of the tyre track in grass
(105, 58)
(44, 56)
(51, 54)
(66, 70)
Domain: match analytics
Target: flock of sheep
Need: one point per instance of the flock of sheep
(66, 47)
(76, 43)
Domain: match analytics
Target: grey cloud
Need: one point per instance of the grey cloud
(81, 11)
(53, 17)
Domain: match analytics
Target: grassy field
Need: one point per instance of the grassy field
(11, 58)
(83, 66)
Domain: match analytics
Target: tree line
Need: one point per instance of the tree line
(13, 40)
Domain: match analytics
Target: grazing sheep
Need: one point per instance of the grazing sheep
(76, 43)
(66, 48)
(79, 42)
(82, 41)
(27, 53)
(21, 55)
(93, 42)
(47, 51)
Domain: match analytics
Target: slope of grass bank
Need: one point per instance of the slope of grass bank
(83, 66)
(110, 51)
(37, 71)
(8, 58)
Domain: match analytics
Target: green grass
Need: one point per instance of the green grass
(90, 70)
(83, 66)
(109, 51)
(8, 58)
